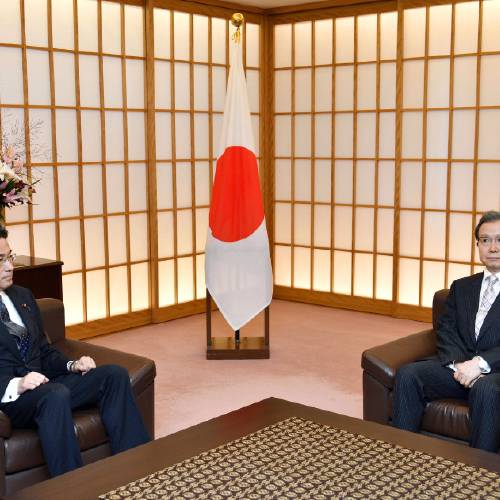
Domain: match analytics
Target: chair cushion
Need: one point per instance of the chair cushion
(23, 450)
(448, 417)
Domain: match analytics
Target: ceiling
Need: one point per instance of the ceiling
(270, 4)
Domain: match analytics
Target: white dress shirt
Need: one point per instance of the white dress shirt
(483, 364)
(11, 393)
(496, 289)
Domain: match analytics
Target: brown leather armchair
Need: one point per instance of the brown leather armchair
(446, 418)
(21, 458)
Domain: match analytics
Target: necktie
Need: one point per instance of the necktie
(20, 332)
(486, 303)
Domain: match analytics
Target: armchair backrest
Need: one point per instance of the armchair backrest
(438, 305)
(52, 311)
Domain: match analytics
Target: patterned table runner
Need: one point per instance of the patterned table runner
(297, 458)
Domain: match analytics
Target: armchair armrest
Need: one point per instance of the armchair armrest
(382, 361)
(142, 370)
(5, 426)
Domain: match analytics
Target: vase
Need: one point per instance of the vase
(2, 215)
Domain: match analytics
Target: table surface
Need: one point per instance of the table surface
(23, 261)
(100, 477)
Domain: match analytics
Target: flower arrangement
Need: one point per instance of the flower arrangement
(16, 187)
(16, 180)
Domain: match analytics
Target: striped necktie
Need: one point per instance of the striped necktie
(486, 302)
(20, 333)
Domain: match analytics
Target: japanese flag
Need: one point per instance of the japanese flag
(237, 262)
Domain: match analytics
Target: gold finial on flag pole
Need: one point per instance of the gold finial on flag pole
(237, 20)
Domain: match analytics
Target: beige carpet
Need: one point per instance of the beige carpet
(315, 360)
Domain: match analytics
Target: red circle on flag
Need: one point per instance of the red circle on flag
(237, 209)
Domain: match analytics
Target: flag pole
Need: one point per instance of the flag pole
(237, 20)
(237, 216)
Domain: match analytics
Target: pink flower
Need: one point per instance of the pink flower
(11, 196)
(18, 164)
(8, 155)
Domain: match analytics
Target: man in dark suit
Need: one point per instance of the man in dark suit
(39, 386)
(468, 342)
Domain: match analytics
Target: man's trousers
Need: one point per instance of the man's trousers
(49, 409)
(424, 381)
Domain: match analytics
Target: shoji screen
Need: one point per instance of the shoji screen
(335, 100)
(191, 61)
(386, 151)
(77, 68)
(79, 74)
(450, 148)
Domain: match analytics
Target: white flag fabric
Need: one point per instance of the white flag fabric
(237, 262)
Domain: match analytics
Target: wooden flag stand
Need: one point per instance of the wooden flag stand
(236, 348)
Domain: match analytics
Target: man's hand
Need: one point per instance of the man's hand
(83, 365)
(467, 372)
(31, 381)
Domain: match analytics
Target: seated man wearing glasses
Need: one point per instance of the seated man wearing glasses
(39, 386)
(468, 344)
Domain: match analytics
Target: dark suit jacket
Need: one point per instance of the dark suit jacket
(42, 357)
(456, 339)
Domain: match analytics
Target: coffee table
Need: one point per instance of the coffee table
(110, 473)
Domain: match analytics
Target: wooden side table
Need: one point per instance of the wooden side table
(42, 276)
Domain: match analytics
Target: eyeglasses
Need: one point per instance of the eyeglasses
(485, 241)
(8, 258)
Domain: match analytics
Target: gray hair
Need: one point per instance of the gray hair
(489, 216)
